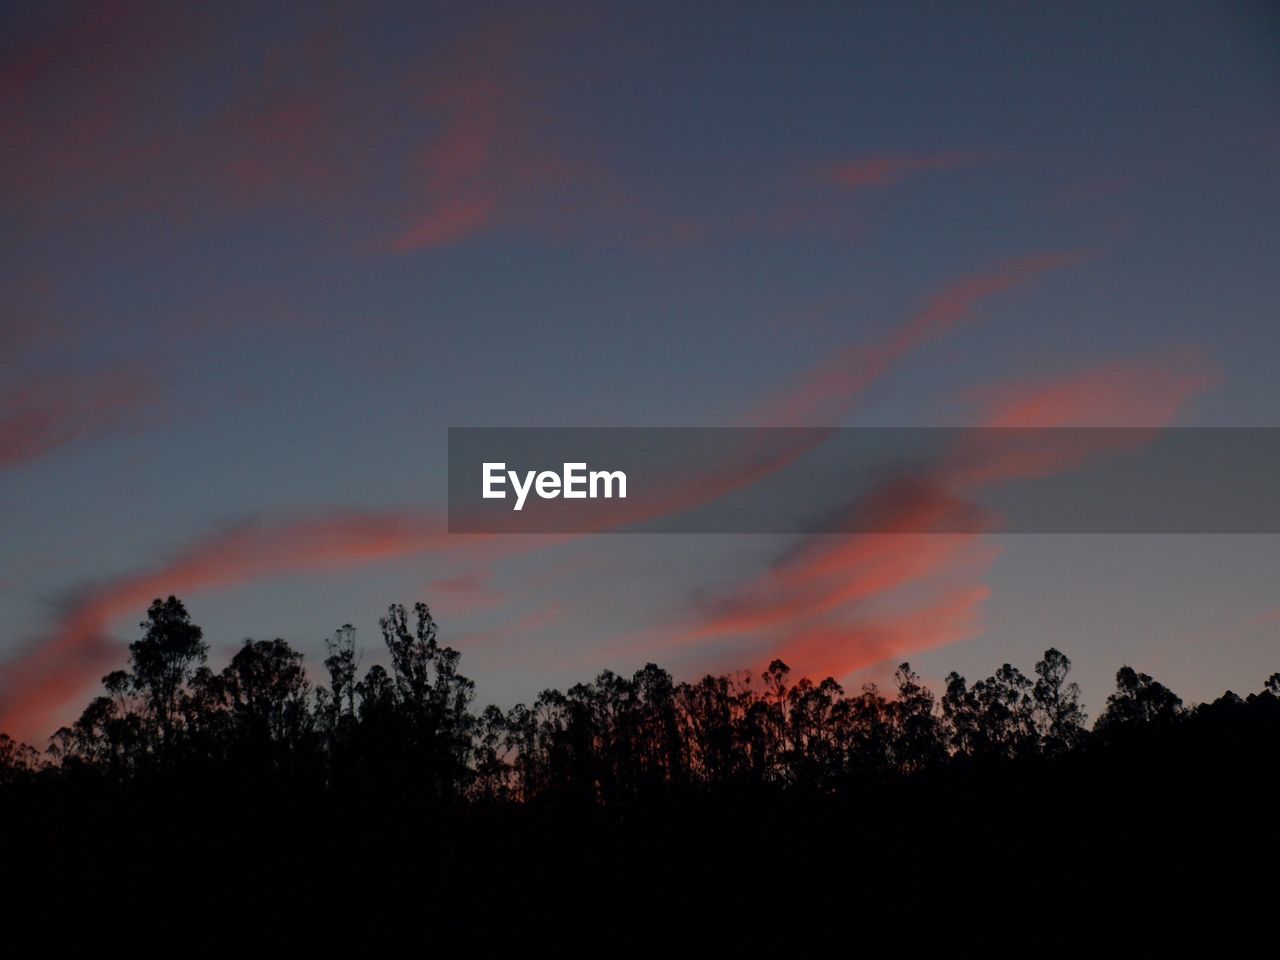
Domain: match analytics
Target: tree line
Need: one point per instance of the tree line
(412, 728)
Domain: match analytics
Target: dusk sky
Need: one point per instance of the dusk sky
(256, 263)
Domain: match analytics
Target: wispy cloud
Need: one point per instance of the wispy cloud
(886, 169)
(41, 415)
(951, 616)
(1142, 393)
(78, 649)
(825, 394)
(836, 603)
(481, 154)
(466, 592)
(520, 626)
(99, 105)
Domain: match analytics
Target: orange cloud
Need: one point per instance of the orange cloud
(839, 650)
(829, 571)
(1142, 396)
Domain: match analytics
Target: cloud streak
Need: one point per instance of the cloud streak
(482, 154)
(78, 648)
(1144, 393)
(834, 603)
(40, 416)
(886, 169)
(826, 393)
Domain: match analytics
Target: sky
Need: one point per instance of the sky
(256, 262)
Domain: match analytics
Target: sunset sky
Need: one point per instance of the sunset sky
(255, 264)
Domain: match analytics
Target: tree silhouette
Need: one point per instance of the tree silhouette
(338, 702)
(266, 692)
(750, 796)
(917, 742)
(1138, 700)
(17, 760)
(610, 742)
(161, 664)
(1060, 719)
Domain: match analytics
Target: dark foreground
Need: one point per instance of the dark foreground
(189, 811)
(1170, 840)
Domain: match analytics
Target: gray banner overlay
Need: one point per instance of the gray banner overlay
(864, 480)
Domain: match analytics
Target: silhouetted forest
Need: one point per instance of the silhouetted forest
(737, 812)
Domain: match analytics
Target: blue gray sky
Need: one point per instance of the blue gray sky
(255, 263)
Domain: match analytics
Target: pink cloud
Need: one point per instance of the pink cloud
(885, 169)
(1142, 393)
(836, 603)
(481, 155)
(40, 416)
(531, 621)
(827, 392)
(75, 98)
(450, 221)
(1083, 192)
(466, 592)
(125, 139)
(78, 648)
(839, 650)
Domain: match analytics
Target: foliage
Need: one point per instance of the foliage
(610, 742)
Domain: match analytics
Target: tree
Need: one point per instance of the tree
(266, 690)
(341, 663)
(960, 713)
(868, 739)
(706, 719)
(1005, 713)
(816, 716)
(413, 653)
(613, 742)
(17, 760)
(377, 694)
(1060, 718)
(773, 711)
(994, 718)
(917, 733)
(162, 662)
(493, 771)
(1138, 700)
(432, 699)
(661, 753)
